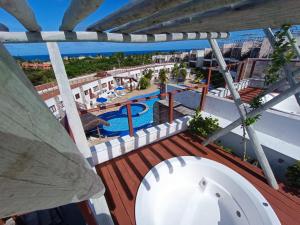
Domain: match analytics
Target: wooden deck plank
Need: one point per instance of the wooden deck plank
(248, 94)
(123, 176)
(115, 204)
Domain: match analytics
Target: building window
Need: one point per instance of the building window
(96, 88)
(86, 92)
(77, 96)
(52, 108)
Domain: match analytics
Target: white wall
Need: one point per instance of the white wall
(114, 148)
(278, 132)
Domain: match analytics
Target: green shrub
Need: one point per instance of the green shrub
(203, 126)
(144, 83)
(293, 175)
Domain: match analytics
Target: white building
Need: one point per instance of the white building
(87, 88)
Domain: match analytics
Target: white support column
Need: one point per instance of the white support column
(68, 99)
(270, 35)
(261, 157)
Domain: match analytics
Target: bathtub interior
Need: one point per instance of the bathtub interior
(189, 190)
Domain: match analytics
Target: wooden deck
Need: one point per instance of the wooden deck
(122, 176)
(248, 94)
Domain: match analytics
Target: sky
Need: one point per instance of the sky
(49, 14)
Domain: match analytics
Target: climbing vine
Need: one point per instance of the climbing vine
(282, 55)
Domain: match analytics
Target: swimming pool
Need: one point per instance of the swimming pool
(141, 117)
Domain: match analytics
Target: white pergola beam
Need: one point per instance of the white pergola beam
(22, 12)
(27, 37)
(259, 152)
(40, 165)
(243, 16)
(178, 11)
(133, 11)
(291, 80)
(68, 99)
(77, 11)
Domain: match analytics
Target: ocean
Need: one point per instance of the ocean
(92, 54)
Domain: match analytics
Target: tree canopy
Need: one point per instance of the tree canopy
(77, 67)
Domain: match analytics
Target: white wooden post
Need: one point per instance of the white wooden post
(261, 157)
(68, 99)
(40, 165)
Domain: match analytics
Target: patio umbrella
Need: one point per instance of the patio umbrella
(120, 88)
(101, 100)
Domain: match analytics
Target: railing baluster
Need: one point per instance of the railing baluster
(203, 96)
(171, 106)
(129, 116)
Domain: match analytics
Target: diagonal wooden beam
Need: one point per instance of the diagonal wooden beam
(259, 14)
(40, 165)
(22, 12)
(133, 11)
(68, 99)
(259, 152)
(168, 14)
(77, 11)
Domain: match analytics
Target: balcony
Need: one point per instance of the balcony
(123, 175)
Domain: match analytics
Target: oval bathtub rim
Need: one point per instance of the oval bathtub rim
(235, 176)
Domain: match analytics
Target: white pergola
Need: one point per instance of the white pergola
(40, 166)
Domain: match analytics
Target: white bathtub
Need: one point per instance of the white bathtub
(192, 190)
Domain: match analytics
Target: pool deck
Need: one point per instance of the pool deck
(123, 175)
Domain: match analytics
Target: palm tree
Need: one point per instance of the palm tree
(148, 73)
(163, 79)
(199, 76)
(175, 71)
(182, 75)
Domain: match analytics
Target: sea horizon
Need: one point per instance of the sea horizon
(92, 54)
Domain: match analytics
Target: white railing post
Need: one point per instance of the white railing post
(261, 157)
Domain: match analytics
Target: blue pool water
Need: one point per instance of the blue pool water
(119, 122)
(135, 109)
